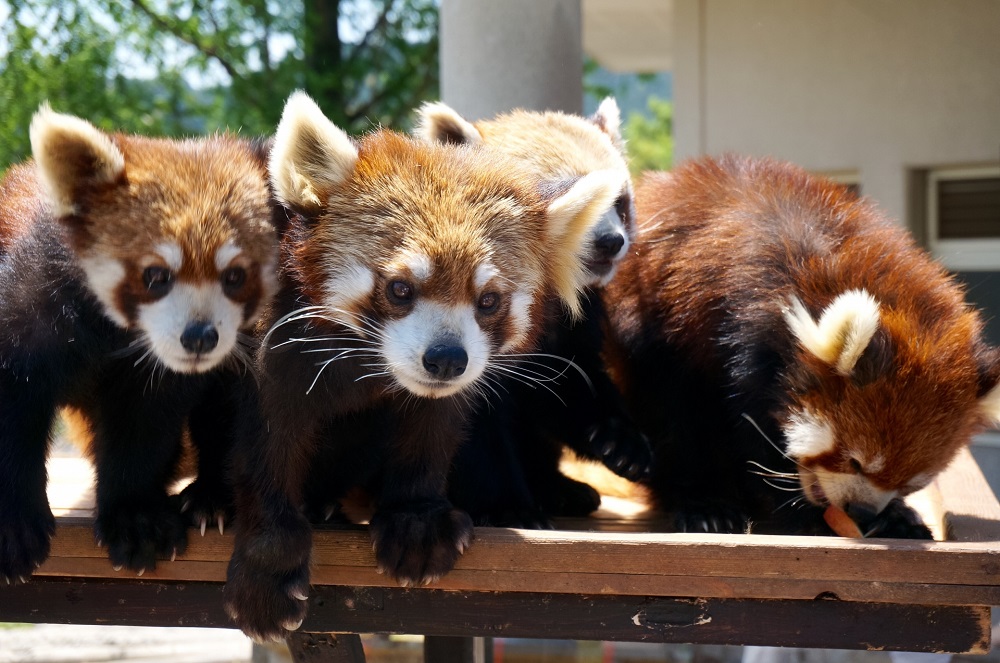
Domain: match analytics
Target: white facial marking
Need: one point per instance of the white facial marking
(520, 317)
(808, 435)
(406, 340)
(226, 254)
(843, 489)
(484, 273)
(165, 320)
(346, 287)
(419, 264)
(171, 254)
(104, 275)
(874, 465)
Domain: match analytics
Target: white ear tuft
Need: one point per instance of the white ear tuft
(989, 405)
(438, 122)
(310, 155)
(570, 219)
(844, 330)
(70, 153)
(609, 119)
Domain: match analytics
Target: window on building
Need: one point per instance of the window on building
(963, 215)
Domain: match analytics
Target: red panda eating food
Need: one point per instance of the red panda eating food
(129, 269)
(412, 274)
(788, 347)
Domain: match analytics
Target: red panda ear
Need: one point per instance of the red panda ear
(439, 123)
(71, 154)
(571, 216)
(608, 119)
(310, 155)
(844, 331)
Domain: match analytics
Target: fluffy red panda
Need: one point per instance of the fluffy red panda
(129, 268)
(508, 473)
(787, 347)
(411, 275)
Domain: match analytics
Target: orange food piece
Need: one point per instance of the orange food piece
(841, 523)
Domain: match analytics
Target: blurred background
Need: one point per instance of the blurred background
(899, 99)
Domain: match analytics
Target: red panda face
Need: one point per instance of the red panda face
(174, 237)
(436, 256)
(879, 408)
(555, 146)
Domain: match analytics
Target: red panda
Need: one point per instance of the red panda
(129, 268)
(412, 274)
(787, 347)
(508, 472)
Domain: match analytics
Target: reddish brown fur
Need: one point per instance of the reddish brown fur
(723, 247)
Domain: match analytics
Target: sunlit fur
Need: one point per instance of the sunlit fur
(412, 274)
(86, 327)
(553, 146)
(767, 304)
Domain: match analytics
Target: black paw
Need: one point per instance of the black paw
(417, 547)
(136, 536)
(622, 448)
(206, 503)
(710, 518)
(562, 496)
(25, 536)
(266, 605)
(267, 583)
(897, 521)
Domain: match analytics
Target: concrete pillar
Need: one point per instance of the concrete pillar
(502, 54)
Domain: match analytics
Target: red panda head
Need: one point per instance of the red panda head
(174, 237)
(555, 146)
(437, 255)
(881, 404)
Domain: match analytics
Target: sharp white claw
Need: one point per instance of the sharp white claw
(140, 572)
(204, 526)
(291, 624)
(117, 567)
(329, 513)
(173, 555)
(299, 595)
(21, 579)
(185, 506)
(222, 524)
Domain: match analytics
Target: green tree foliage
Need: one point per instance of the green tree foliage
(650, 140)
(181, 67)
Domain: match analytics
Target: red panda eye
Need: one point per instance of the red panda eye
(233, 279)
(856, 466)
(157, 280)
(400, 292)
(489, 303)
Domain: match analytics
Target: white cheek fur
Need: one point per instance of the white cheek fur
(407, 339)
(104, 275)
(520, 317)
(164, 320)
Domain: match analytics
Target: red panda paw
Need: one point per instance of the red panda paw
(137, 535)
(562, 496)
(25, 536)
(266, 605)
(898, 521)
(711, 519)
(622, 448)
(206, 506)
(418, 546)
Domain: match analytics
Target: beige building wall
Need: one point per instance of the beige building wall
(880, 88)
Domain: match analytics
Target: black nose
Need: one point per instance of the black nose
(200, 337)
(446, 361)
(862, 514)
(609, 244)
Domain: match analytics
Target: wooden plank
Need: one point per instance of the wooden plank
(325, 647)
(831, 624)
(822, 623)
(501, 552)
(972, 512)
